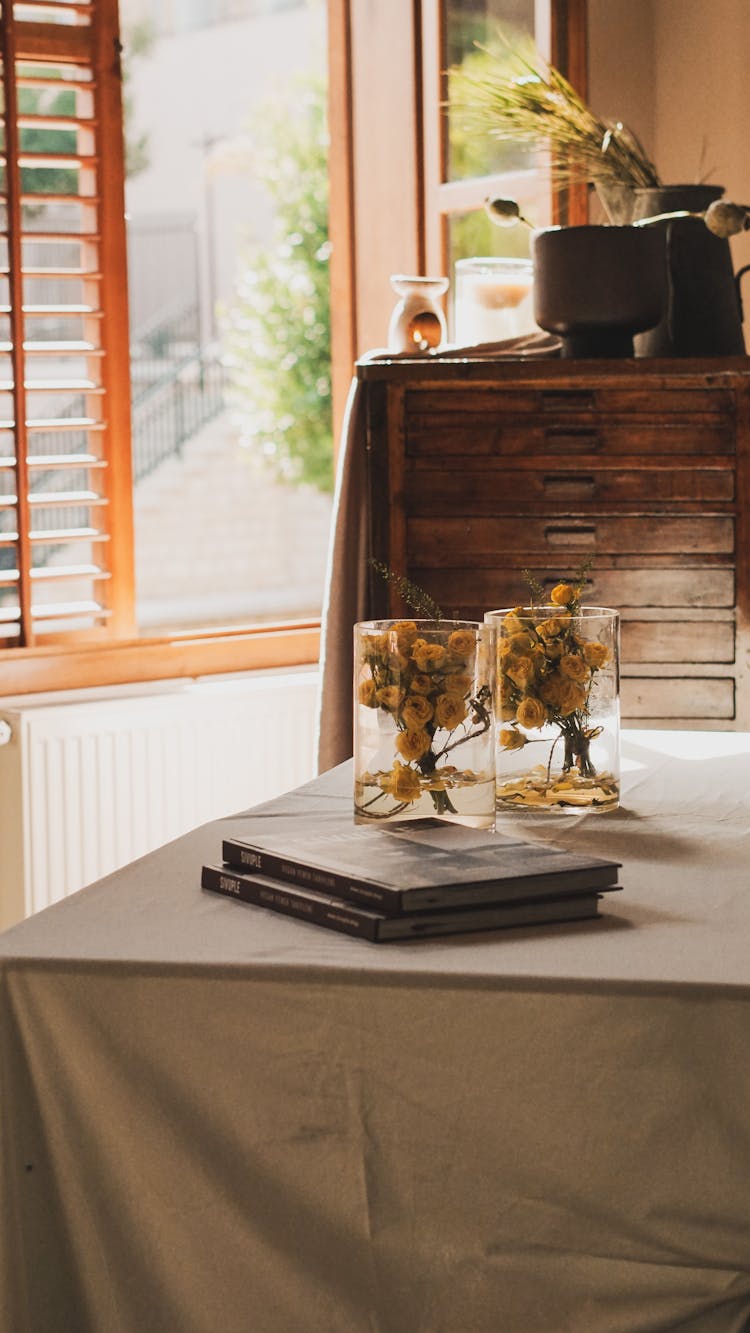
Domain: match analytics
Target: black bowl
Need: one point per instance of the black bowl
(596, 286)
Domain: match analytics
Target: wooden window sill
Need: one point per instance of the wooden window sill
(34, 670)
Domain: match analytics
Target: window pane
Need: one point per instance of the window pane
(470, 24)
(473, 234)
(228, 274)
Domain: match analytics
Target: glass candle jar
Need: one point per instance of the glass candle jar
(423, 722)
(493, 300)
(557, 705)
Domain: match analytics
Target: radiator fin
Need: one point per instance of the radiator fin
(87, 786)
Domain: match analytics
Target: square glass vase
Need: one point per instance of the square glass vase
(423, 721)
(557, 708)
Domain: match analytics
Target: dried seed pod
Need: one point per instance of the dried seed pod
(726, 219)
(505, 213)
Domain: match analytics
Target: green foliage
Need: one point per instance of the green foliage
(42, 140)
(473, 151)
(139, 41)
(474, 234)
(477, 153)
(277, 334)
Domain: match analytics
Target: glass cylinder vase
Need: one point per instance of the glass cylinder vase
(423, 721)
(557, 705)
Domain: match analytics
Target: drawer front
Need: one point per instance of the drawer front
(690, 641)
(479, 590)
(607, 436)
(579, 403)
(481, 542)
(699, 587)
(486, 490)
(467, 436)
(637, 402)
(687, 697)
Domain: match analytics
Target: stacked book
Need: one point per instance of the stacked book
(405, 881)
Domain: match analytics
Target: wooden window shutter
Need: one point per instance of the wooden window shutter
(66, 546)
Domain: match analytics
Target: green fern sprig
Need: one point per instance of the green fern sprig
(414, 596)
(580, 576)
(534, 586)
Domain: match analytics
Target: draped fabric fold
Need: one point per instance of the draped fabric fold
(346, 599)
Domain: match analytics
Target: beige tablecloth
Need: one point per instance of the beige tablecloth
(219, 1119)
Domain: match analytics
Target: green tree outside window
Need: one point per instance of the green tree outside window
(277, 333)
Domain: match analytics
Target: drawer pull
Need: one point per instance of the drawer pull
(553, 399)
(578, 537)
(572, 439)
(587, 586)
(568, 486)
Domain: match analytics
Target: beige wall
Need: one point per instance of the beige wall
(676, 72)
(621, 64)
(703, 97)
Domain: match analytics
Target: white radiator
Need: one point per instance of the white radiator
(86, 786)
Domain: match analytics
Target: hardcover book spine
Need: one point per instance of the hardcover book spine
(260, 862)
(286, 901)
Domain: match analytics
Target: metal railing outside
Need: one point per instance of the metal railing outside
(172, 410)
(178, 387)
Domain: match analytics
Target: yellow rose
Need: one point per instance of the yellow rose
(397, 662)
(390, 697)
(562, 594)
(375, 645)
(549, 629)
(510, 739)
(511, 624)
(416, 711)
(549, 690)
(428, 656)
(450, 711)
(520, 671)
(573, 667)
(454, 663)
(457, 682)
(462, 642)
(421, 684)
(531, 712)
(553, 650)
(572, 697)
(366, 693)
(405, 632)
(402, 782)
(520, 644)
(412, 744)
(595, 654)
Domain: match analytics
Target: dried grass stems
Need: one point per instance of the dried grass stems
(523, 99)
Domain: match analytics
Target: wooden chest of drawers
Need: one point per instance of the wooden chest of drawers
(478, 471)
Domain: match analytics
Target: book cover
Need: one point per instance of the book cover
(324, 910)
(413, 866)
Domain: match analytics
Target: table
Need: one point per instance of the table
(216, 1118)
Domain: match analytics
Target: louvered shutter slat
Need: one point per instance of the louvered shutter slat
(65, 498)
